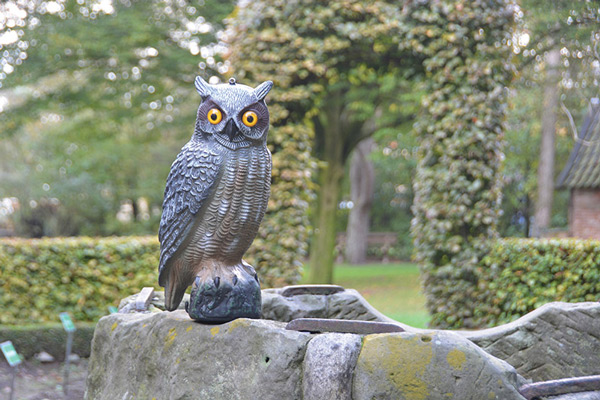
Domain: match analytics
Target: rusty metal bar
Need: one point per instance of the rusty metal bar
(560, 386)
(341, 326)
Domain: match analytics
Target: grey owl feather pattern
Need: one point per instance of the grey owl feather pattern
(192, 175)
(215, 198)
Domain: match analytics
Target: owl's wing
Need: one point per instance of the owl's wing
(192, 176)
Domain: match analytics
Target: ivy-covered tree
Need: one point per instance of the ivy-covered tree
(330, 61)
(457, 185)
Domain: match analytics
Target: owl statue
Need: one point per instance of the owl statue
(215, 198)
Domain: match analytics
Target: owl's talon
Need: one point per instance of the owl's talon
(234, 280)
(217, 282)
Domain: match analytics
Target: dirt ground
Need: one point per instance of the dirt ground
(37, 381)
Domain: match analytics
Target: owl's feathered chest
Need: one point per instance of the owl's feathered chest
(228, 221)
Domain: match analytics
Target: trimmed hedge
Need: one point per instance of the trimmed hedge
(39, 278)
(519, 275)
(32, 339)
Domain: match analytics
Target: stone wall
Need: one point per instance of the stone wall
(169, 356)
(165, 355)
(584, 213)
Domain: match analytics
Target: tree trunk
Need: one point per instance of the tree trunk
(362, 177)
(543, 207)
(331, 175)
(323, 245)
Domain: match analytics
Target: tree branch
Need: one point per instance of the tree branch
(574, 127)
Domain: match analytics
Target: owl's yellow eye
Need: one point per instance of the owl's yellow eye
(250, 118)
(214, 116)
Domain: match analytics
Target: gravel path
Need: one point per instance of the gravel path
(36, 381)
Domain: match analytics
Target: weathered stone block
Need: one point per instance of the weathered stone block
(432, 366)
(559, 340)
(328, 366)
(168, 356)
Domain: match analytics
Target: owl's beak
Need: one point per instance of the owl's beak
(231, 130)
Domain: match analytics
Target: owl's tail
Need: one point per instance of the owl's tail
(175, 286)
(173, 295)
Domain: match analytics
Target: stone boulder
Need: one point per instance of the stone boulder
(165, 355)
(329, 365)
(558, 340)
(344, 304)
(277, 305)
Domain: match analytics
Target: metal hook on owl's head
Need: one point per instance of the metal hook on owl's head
(202, 87)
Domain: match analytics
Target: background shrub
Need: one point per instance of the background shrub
(42, 277)
(458, 181)
(32, 339)
(519, 275)
(39, 278)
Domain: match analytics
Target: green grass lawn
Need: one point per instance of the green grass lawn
(393, 289)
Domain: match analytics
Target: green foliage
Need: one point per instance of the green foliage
(457, 185)
(520, 275)
(51, 338)
(382, 252)
(395, 160)
(402, 250)
(99, 103)
(39, 278)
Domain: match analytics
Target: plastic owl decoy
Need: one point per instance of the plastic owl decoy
(215, 198)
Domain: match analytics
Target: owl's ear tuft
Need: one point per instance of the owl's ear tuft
(202, 87)
(261, 90)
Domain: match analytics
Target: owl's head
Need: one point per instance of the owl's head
(235, 115)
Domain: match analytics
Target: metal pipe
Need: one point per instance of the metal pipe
(67, 361)
(12, 382)
(560, 386)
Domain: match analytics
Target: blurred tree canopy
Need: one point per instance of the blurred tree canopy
(572, 28)
(104, 92)
(98, 100)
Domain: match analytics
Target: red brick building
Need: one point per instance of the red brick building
(582, 177)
